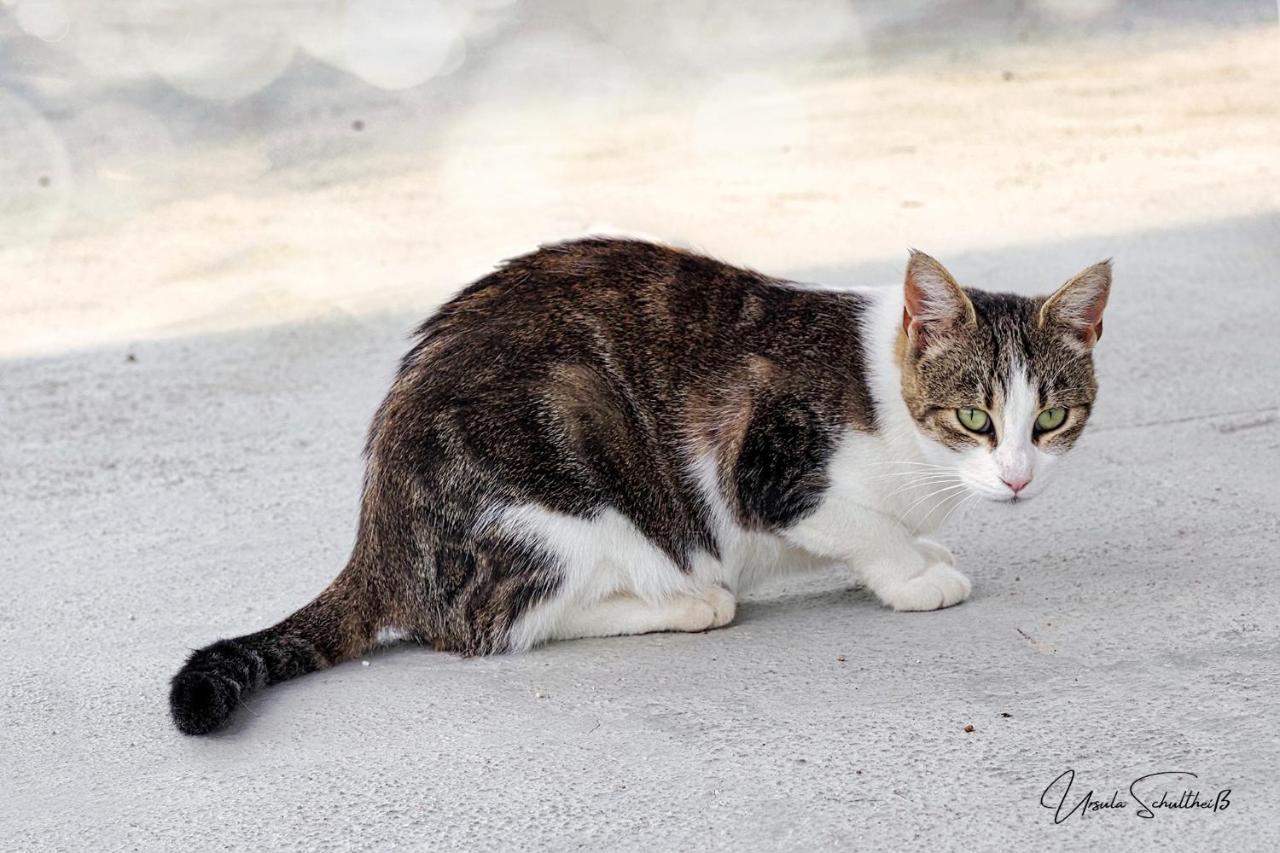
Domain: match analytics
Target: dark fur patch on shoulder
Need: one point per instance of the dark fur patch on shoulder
(780, 472)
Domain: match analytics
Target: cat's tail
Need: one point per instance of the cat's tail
(336, 626)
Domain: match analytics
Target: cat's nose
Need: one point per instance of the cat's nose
(1017, 484)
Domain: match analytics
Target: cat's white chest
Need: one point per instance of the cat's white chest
(884, 474)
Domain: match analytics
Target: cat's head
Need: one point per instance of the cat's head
(1000, 386)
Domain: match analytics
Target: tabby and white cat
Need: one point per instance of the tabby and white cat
(613, 437)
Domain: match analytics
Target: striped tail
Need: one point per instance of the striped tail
(216, 679)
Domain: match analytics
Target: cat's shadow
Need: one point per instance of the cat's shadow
(753, 611)
(774, 606)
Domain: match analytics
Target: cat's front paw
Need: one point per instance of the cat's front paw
(723, 604)
(712, 607)
(936, 587)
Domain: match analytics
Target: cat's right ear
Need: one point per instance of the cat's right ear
(934, 306)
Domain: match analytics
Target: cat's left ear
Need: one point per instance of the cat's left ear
(1077, 306)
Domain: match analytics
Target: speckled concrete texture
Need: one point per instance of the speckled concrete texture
(161, 495)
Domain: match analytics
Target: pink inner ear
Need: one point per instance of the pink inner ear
(914, 329)
(1078, 304)
(1086, 333)
(914, 305)
(915, 302)
(1087, 321)
(933, 304)
(1092, 311)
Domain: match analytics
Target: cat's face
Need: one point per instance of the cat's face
(1000, 386)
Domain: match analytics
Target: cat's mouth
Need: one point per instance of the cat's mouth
(1001, 495)
(1019, 497)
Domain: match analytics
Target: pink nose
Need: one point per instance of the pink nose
(1018, 484)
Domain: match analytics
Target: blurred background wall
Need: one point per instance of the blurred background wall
(170, 167)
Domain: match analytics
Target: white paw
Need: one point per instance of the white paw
(712, 606)
(935, 552)
(722, 602)
(937, 586)
(694, 614)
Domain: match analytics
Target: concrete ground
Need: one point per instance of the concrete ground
(1122, 624)
(186, 381)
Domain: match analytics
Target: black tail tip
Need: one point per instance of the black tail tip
(201, 702)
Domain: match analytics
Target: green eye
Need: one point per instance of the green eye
(974, 420)
(1051, 418)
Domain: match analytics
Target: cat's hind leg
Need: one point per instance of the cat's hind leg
(612, 580)
(712, 606)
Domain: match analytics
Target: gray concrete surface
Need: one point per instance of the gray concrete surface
(1125, 622)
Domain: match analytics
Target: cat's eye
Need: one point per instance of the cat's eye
(974, 420)
(1051, 418)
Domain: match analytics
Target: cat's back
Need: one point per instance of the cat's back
(562, 379)
(610, 278)
(639, 307)
(598, 347)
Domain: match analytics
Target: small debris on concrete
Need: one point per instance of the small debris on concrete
(968, 727)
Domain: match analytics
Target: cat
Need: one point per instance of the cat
(610, 437)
